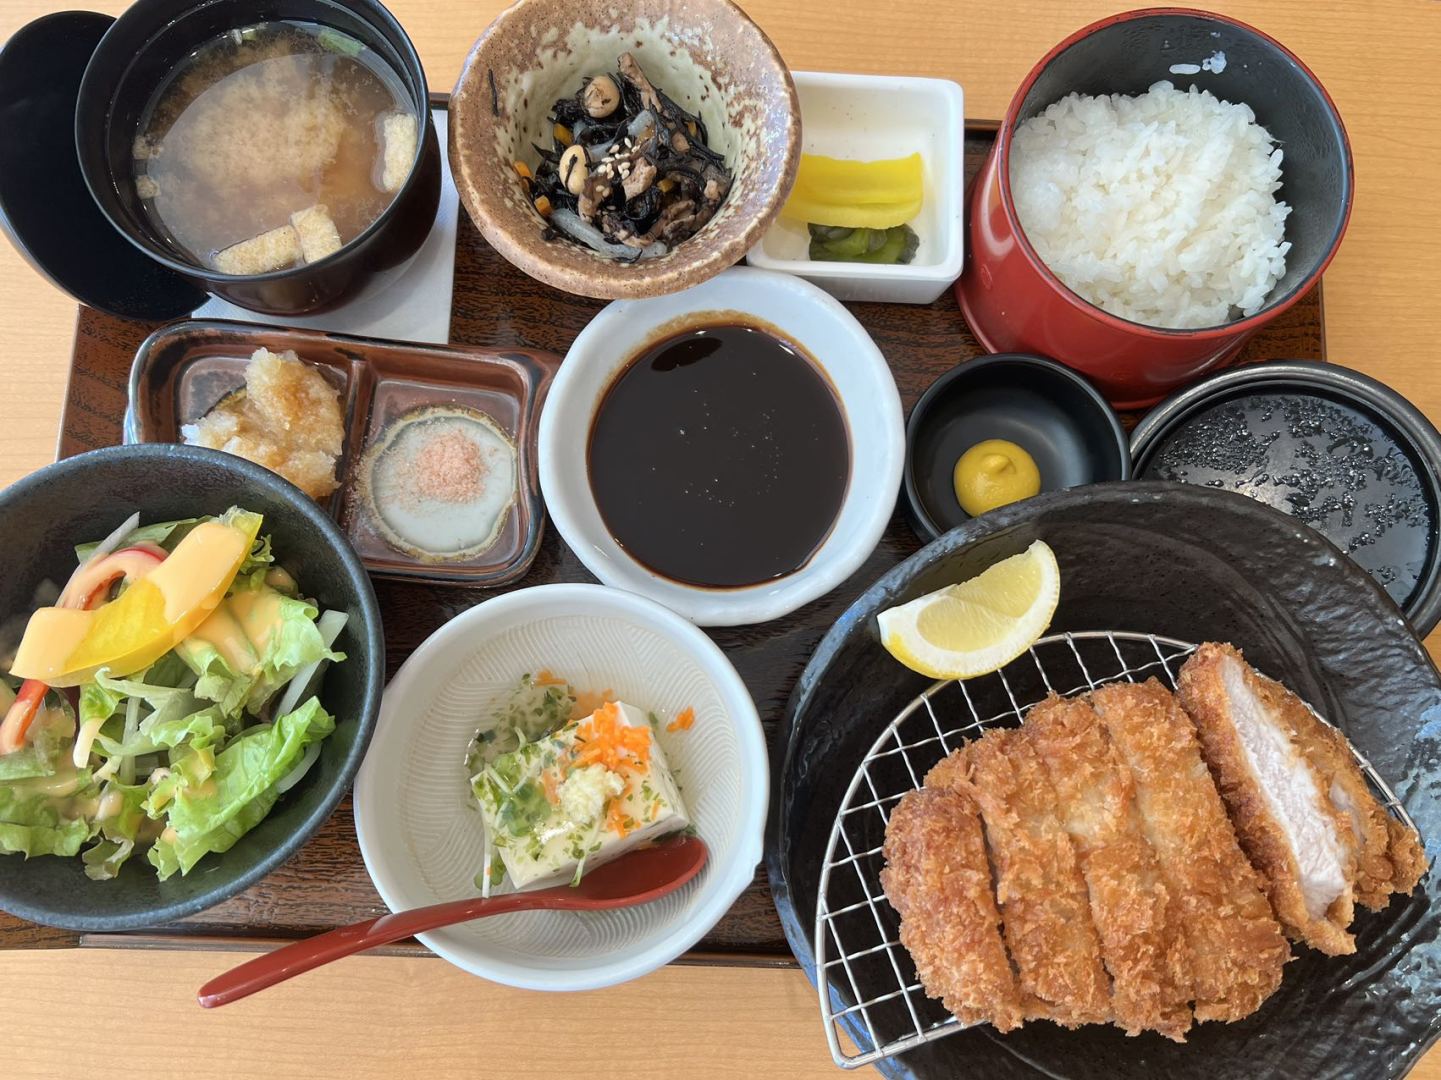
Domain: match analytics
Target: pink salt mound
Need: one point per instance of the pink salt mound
(449, 468)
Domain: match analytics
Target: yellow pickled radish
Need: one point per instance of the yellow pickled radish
(856, 194)
(860, 183)
(875, 216)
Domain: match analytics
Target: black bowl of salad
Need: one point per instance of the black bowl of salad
(192, 663)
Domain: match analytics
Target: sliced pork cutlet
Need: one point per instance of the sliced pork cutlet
(1044, 906)
(1236, 946)
(1389, 858)
(1139, 924)
(1284, 816)
(937, 876)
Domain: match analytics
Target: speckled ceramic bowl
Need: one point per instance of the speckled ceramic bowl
(705, 54)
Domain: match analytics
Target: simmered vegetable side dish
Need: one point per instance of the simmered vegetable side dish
(165, 701)
(629, 174)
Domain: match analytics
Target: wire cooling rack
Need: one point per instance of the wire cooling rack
(869, 990)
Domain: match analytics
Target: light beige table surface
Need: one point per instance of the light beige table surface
(68, 1013)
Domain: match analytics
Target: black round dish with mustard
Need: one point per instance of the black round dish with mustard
(1048, 412)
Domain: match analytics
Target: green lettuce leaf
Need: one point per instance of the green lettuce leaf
(256, 565)
(172, 854)
(217, 678)
(213, 814)
(291, 639)
(34, 824)
(47, 739)
(124, 806)
(202, 729)
(174, 714)
(165, 533)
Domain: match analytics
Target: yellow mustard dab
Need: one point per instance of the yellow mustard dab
(993, 473)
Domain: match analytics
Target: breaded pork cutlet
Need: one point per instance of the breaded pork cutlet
(1042, 896)
(1389, 858)
(1138, 922)
(1236, 946)
(938, 878)
(1281, 807)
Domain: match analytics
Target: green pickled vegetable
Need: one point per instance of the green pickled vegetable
(894, 246)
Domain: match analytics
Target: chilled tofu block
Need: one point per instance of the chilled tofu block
(578, 798)
(317, 232)
(260, 254)
(398, 134)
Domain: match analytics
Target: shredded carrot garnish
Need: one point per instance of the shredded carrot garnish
(546, 677)
(602, 739)
(615, 820)
(550, 784)
(683, 721)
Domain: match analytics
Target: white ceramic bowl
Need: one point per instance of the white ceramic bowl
(835, 340)
(421, 836)
(867, 118)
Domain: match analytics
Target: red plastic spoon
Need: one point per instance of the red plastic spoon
(635, 878)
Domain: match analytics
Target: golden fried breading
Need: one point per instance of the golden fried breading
(1236, 946)
(1042, 896)
(1284, 818)
(1408, 858)
(1141, 938)
(939, 880)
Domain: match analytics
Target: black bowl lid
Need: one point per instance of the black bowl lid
(1342, 452)
(45, 207)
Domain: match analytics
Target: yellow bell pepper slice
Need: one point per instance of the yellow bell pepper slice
(840, 181)
(63, 647)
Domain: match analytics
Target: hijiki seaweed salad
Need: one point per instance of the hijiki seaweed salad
(629, 174)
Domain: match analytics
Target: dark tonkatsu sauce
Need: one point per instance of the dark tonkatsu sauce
(719, 457)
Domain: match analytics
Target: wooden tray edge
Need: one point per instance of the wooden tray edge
(409, 947)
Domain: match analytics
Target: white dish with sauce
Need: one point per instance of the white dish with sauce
(421, 834)
(847, 357)
(870, 118)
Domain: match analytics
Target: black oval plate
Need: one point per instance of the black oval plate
(1195, 564)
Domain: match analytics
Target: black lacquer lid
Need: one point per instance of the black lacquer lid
(45, 207)
(1342, 452)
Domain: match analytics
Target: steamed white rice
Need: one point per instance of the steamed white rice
(1158, 208)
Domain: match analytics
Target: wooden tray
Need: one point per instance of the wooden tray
(325, 884)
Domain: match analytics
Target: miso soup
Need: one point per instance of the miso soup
(273, 145)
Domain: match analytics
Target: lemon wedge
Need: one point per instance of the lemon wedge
(980, 625)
